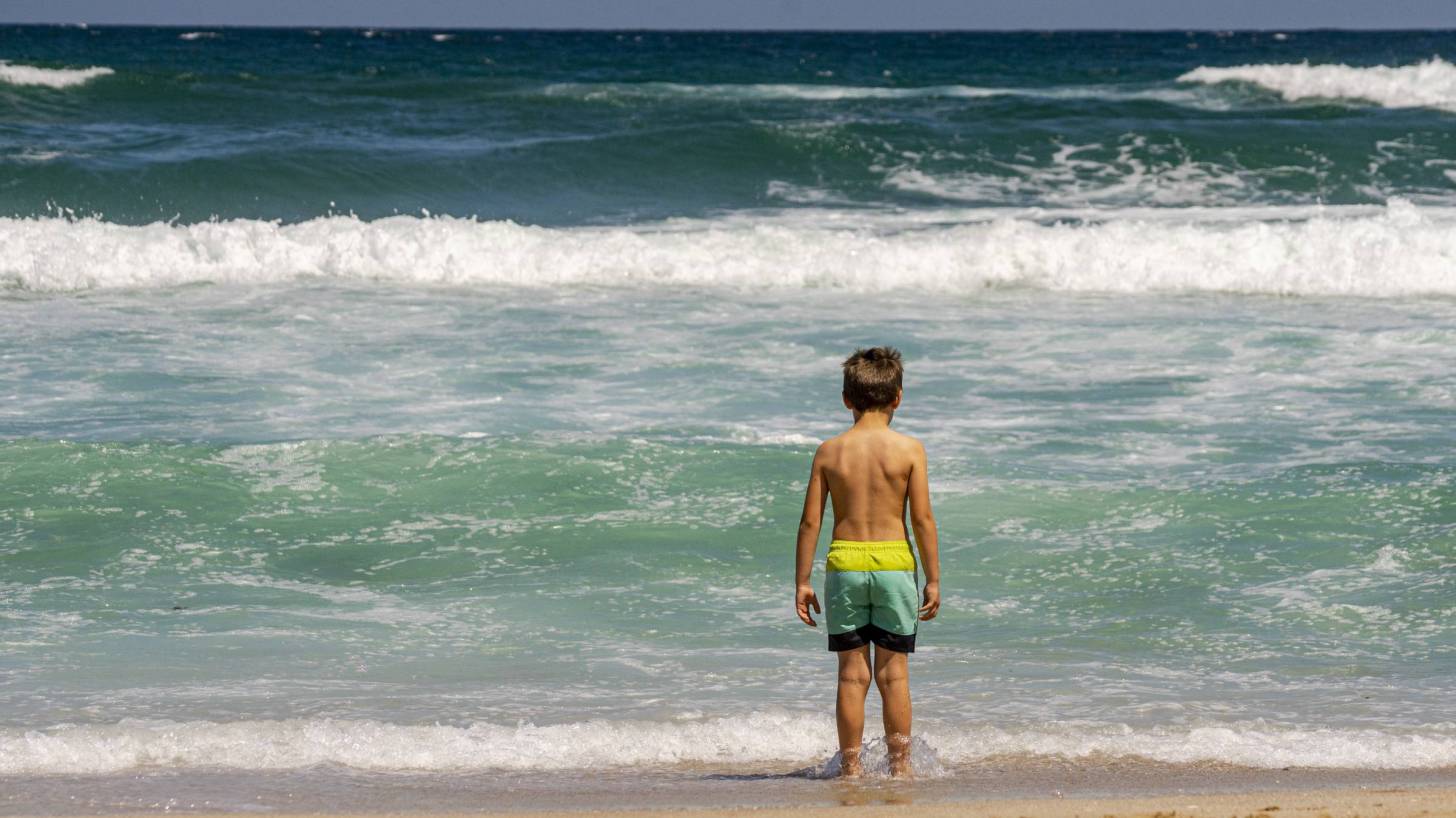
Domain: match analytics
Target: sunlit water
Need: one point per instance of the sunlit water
(289, 483)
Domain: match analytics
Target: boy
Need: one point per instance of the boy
(871, 473)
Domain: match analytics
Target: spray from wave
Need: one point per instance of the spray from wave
(1429, 84)
(1400, 250)
(17, 74)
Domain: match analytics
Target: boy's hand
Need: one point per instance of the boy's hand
(932, 602)
(803, 599)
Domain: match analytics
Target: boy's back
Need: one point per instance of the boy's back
(867, 472)
(873, 476)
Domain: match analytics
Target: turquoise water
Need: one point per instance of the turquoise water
(510, 486)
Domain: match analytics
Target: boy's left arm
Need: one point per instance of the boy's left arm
(809, 523)
(922, 520)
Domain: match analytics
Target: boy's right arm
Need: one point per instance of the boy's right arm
(809, 523)
(922, 519)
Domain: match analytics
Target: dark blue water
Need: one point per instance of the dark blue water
(594, 127)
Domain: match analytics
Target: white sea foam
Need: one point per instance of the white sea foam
(293, 467)
(16, 74)
(198, 35)
(816, 92)
(33, 155)
(755, 738)
(1400, 250)
(1249, 744)
(750, 435)
(799, 91)
(1429, 84)
(801, 194)
(1093, 174)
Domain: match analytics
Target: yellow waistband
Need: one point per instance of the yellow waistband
(877, 555)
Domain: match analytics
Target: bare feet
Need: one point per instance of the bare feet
(849, 766)
(899, 746)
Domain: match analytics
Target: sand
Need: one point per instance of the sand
(1434, 802)
(873, 802)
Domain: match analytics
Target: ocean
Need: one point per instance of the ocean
(420, 419)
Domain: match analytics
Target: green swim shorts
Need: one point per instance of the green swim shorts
(871, 595)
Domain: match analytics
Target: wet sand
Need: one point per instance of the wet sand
(873, 802)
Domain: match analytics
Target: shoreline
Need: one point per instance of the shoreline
(882, 802)
(1041, 790)
(1433, 802)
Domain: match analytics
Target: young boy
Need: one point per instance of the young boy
(871, 473)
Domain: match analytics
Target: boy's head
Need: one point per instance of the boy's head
(872, 379)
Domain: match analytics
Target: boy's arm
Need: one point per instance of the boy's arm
(809, 523)
(922, 520)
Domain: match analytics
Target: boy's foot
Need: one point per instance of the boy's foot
(849, 766)
(899, 751)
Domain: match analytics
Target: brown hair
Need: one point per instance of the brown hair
(872, 377)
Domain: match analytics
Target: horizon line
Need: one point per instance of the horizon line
(745, 30)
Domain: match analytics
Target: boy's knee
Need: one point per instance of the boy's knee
(854, 676)
(890, 674)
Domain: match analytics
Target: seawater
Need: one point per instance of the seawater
(441, 402)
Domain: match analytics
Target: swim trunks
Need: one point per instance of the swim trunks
(871, 595)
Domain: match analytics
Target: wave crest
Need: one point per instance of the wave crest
(1429, 84)
(17, 74)
(1399, 250)
(765, 91)
(823, 92)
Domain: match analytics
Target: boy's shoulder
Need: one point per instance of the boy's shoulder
(906, 445)
(897, 440)
(907, 440)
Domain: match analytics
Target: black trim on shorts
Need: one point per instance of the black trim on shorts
(858, 638)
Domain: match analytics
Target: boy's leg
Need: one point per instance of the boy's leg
(854, 684)
(892, 677)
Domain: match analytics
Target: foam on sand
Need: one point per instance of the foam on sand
(16, 74)
(1399, 250)
(755, 738)
(1429, 84)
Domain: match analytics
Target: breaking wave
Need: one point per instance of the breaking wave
(749, 91)
(1429, 84)
(1398, 250)
(760, 737)
(816, 92)
(16, 74)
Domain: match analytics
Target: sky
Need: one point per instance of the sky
(749, 14)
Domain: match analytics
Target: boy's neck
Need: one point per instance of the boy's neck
(873, 419)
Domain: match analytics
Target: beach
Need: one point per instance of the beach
(1436, 803)
(1031, 785)
(400, 423)
(875, 802)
